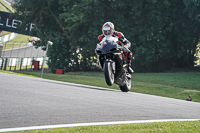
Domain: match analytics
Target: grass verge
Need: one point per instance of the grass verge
(2, 8)
(18, 42)
(158, 127)
(21, 38)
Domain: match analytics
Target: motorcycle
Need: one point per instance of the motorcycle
(113, 62)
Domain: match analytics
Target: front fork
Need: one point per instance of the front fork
(113, 65)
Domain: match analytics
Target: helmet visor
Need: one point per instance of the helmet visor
(107, 32)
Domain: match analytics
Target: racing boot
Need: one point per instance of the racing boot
(128, 55)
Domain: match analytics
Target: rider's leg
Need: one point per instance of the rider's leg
(128, 55)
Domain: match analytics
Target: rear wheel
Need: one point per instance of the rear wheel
(109, 74)
(127, 85)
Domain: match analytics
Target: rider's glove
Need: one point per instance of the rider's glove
(127, 44)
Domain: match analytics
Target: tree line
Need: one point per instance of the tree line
(164, 34)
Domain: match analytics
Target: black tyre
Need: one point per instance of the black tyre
(127, 85)
(108, 72)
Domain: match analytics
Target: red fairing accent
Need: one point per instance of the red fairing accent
(119, 34)
(100, 37)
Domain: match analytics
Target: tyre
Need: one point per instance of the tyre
(108, 72)
(127, 85)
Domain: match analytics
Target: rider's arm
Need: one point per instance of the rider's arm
(122, 39)
(100, 37)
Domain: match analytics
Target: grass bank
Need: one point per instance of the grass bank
(174, 85)
(21, 38)
(164, 127)
(18, 42)
(2, 8)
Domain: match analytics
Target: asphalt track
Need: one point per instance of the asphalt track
(28, 101)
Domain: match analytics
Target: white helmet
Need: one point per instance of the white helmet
(108, 29)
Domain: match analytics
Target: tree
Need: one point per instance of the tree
(45, 14)
(164, 34)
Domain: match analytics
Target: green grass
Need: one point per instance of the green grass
(164, 127)
(3, 33)
(20, 41)
(21, 38)
(174, 85)
(2, 8)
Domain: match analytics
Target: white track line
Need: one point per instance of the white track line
(89, 124)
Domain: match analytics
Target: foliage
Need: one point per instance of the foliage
(164, 34)
(49, 27)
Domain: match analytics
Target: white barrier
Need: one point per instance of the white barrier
(8, 37)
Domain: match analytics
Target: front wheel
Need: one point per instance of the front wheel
(127, 85)
(109, 73)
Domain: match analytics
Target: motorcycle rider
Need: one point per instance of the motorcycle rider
(108, 30)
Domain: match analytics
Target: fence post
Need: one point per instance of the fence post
(1, 49)
(4, 49)
(10, 63)
(48, 43)
(26, 62)
(32, 62)
(21, 64)
(17, 60)
(5, 64)
(11, 56)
